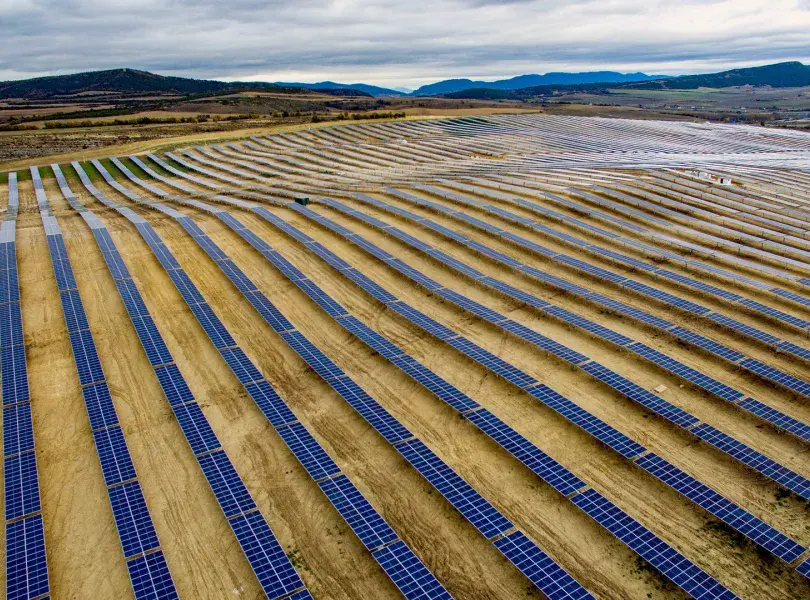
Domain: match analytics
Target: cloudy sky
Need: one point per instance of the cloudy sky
(396, 42)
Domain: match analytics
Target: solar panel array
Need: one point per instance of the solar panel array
(370, 527)
(133, 522)
(267, 558)
(26, 563)
(638, 287)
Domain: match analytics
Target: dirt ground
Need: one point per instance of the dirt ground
(84, 557)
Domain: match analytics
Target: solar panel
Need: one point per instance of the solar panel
(628, 310)
(470, 305)
(316, 359)
(655, 551)
(18, 433)
(368, 408)
(804, 568)
(132, 519)
(582, 418)
(86, 357)
(173, 384)
(371, 248)
(707, 344)
(185, 286)
(302, 595)
(308, 451)
(196, 428)
(152, 341)
(378, 343)
(542, 465)
(455, 264)
(755, 460)
(413, 579)
(27, 567)
(704, 287)
(420, 319)
(588, 325)
(701, 380)
(115, 264)
(216, 331)
(540, 568)
(492, 362)
(370, 286)
(164, 256)
(231, 493)
(11, 332)
(366, 523)
(21, 485)
(271, 314)
(791, 348)
(235, 274)
(776, 314)
(667, 298)
(743, 328)
(272, 406)
(435, 384)
(241, 365)
(321, 298)
(791, 295)
(133, 301)
(210, 248)
(99, 405)
(592, 269)
(56, 247)
(638, 394)
(9, 286)
(415, 275)
(150, 577)
(728, 512)
(458, 492)
(73, 310)
(116, 463)
(543, 342)
(776, 417)
(64, 275)
(266, 556)
(790, 382)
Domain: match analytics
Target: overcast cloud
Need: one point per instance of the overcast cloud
(396, 42)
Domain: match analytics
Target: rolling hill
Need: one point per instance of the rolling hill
(787, 74)
(372, 90)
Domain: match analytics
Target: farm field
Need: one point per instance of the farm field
(483, 357)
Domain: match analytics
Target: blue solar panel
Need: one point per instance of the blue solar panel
(316, 359)
(692, 375)
(370, 286)
(235, 274)
(371, 248)
(638, 394)
(185, 286)
(174, 385)
(56, 247)
(728, 512)
(543, 342)
(667, 298)
(212, 325)
(271, 314)
(150, 577)
(776, 314)
(420, 319)
(133, 301)
(302, 595)
(410, 240)
(321, 298)
(793, 383)
(27, 567)
(804, 568)
(542, 465)
(9, 286)
(707, 344)
(416, 275)
(196, 428)
(210, 248)
(21, 485)
(791, 348)
(64, 275)
(73, 310)
(515, 293)
(492, 362)
(745, 329)
(164, 256)
(272, 406)
(116, 463)
(14, 375)
(458, 492)
(582, 418)
(435, 384)
(241, 365)
(470, 305)
(655, 551)
(99, 406)
(628, 310)
(622, 258)
(757, 461)
(152, 341)
(115, 264)
(592, 269)
(11, 332)
(308, 451)
(413, 579)
(792, 296)
(378, 343)
(455, 264)
(368, 408)
(523, 242)
(540, 568)
(704, 287)
(267, 558)
(18, 433)
(231, 493)
(366, 523)
(86, 357)
(588, 325)
(776, 417)
(132, 519)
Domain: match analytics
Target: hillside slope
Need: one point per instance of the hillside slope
(787, 74)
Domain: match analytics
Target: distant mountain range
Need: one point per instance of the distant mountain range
(523, 81)
(133, 81)
(372, 90)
